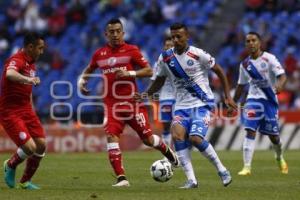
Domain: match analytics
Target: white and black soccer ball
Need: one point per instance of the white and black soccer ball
(161, 170)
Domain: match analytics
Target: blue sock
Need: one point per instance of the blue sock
(202, 146)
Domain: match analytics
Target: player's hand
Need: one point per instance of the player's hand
(33, 81)
(139, 97)
(230, 103)
(82, 86)
(121, 73)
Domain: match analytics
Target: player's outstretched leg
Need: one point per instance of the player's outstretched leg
(11, 165)
(208, 151)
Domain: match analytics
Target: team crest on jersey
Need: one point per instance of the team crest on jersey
(263, 65)
(190, 62)
(112, 61)
(32, 73)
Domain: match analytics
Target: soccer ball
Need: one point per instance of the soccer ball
(161, 170)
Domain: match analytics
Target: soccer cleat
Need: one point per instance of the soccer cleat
(28, 186)
(9, 175)
(172, 157)
(189, 185)
(225, 177)
(245, 171)
(122, 182)
(283, 166)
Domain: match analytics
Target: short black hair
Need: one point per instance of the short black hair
(177, 26)
(31, 38)
(254, 33)
(114, 21)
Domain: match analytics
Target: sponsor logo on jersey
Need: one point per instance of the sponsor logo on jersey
(112, 70)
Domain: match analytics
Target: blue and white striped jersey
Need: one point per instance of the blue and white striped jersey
(268, 67)
(190, 79)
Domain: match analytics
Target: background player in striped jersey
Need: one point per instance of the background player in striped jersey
(266, 77)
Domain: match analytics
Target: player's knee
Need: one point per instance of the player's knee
(274, 139)
(29, 148)
(250, 134)
(195, 140)
(41, 148)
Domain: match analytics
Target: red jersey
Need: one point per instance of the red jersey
(16, 95)
(108, 60)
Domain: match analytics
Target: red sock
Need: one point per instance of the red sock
(14, 161)
(32, 165)
(115, 158)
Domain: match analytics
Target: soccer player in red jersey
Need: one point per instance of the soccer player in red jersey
(17, 115)
(117, 60)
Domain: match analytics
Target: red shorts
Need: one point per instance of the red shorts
(21, 125)
(135, 117)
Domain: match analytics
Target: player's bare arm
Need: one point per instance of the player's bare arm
(83, 79)
(15, 76)
(144, 72)
(155, 86)
(237, 95)
(220, 73)
(281, 81)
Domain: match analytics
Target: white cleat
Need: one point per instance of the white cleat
(123, 183)
(225, 177)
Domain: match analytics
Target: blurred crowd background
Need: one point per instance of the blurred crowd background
(74, 29)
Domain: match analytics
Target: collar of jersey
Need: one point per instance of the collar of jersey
(186, 50)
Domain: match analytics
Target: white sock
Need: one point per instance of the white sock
(278, 151)
(248, 151)
(184, 157)
(212, 156)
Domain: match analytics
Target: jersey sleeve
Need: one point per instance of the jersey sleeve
(16, 64)
(138, 59)
(243, 77)
(206, 59)
(276, 67)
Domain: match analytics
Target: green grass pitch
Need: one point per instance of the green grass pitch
(89, 176)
